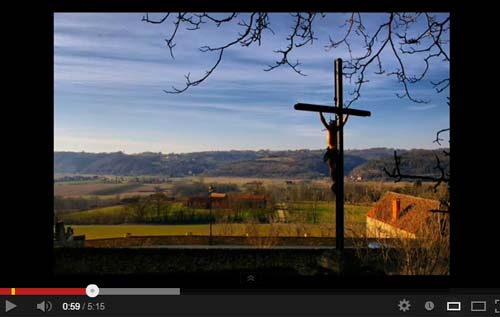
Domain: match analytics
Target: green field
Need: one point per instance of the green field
(116, 231)
(355, 217)
(119, 231)
(299, 212)
(326, 210)
(107, 215)
(314, 218)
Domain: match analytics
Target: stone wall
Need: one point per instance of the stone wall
(138, 241)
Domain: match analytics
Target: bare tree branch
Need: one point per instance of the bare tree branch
(443, 176)
(399, 36)
(438, 139)
(302, 34)
(147, 19)
(427, 43)
(252, 33)
(397, 26)
(441, 85)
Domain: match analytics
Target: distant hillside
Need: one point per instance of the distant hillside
(374, 153)
(415, 162)
(119, 163)
(297, 164)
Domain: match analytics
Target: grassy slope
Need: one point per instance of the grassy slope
(113, 231)
(119, 231)
(355, 219)
(113, 214)
(107, 215)
(119, 214)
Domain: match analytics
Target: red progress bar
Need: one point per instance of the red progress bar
(5, 291)
(50, 291)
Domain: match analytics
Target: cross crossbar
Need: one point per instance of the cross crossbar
(329, 109)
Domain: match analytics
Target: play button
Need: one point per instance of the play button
(9, 306)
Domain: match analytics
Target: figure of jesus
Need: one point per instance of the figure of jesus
(331, 154)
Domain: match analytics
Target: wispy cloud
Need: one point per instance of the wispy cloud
(110, 71)
(421, 107)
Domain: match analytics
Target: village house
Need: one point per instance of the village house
(401, 216)
(249, 200)
(355, 178)
(197, 202)
(219, 200)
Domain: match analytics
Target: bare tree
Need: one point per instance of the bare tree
(139, 209)
(399, 35)
(442, 177)
(160, 203)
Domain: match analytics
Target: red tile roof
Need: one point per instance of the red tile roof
(248, 197)
(414, 211)
(218, 195)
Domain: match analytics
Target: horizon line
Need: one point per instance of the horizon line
(248, 150)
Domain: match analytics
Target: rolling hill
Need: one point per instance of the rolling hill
(368, 163)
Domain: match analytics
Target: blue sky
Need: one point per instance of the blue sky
(110, 71)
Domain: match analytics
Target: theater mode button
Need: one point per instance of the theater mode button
(453, 306)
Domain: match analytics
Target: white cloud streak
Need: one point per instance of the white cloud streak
(114, 67)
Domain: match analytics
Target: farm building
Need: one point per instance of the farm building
(401, 216)
(248, 200)
(197, 202)
(218, 200)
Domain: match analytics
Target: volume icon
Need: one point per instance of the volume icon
(44, 306)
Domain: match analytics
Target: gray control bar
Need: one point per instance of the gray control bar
(139, 291)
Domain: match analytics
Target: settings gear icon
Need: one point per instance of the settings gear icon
(404, 305)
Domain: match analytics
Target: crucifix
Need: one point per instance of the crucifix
(335, 148)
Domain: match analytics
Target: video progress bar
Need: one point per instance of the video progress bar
(139, 291)
(83, 291)
(41, 291)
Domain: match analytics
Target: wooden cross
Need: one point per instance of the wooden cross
(339, 110)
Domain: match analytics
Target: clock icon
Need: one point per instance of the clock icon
(429, 305)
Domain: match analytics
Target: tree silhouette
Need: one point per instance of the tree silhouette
(424, 35)
(397, 36)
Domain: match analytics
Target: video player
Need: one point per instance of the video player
(209, 160)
